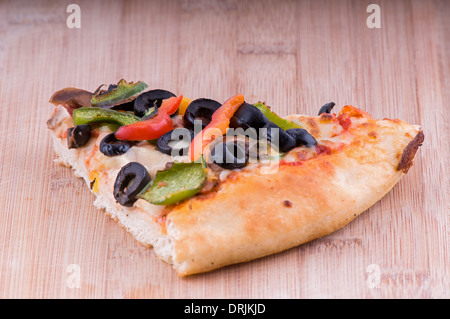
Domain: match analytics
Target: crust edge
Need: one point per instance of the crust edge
(409, 152)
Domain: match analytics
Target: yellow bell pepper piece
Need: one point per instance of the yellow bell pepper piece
(94, 178)
(183, 105)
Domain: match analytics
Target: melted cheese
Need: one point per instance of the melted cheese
(330, 133)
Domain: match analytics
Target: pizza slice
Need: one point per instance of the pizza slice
(209, 184)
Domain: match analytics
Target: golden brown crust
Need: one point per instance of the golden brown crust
(254, 214)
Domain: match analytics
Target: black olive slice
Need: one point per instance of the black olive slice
(200, 110)
(152, 98)
(326, 108)
(78, 136)
(127, 106)
(130, 181)
(180, 138)
(248, 115)
(111, 146)
(302, 137)
(278, 137)
(230, 154)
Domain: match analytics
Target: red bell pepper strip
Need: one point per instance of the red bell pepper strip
(152, 128)
(218, 126)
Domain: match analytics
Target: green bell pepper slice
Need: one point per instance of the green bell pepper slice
(181, 181)
(281, 122)
(121, 93)
(89, 115)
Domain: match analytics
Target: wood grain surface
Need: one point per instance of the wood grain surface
(296, 56)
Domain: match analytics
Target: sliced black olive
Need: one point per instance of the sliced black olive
(130, 181)
(278, 137)
(127, 106)
(79, 135)
(302, 137)
(180, 138)
(230, 154)
(248, 115)
(327, 108)
(250, 133)
(111, 146)
(152, 98)
(200, 110)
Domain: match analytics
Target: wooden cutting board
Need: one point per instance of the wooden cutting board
(294, 55)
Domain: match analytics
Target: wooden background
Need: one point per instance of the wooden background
(296, 56)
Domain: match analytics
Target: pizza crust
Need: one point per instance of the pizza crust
(255, 213)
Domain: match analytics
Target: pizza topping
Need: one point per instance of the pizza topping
(150, 129)
(344, 121)
(230, 154)
(326, 109)
(180, 181)
(272, 127)
(72, 98)
(217, 127)
(150, 99)
(274, 118)
(261, 118)
(302, 137)
(78, 136)
(248, 116)
(94, 178)
(200, 110)
(278, 137)
(119, 93)
(111, 146)
(148, 117)
(89, 115)
(130, 181)
(185, 102)
(154, 127)
(175, 142)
